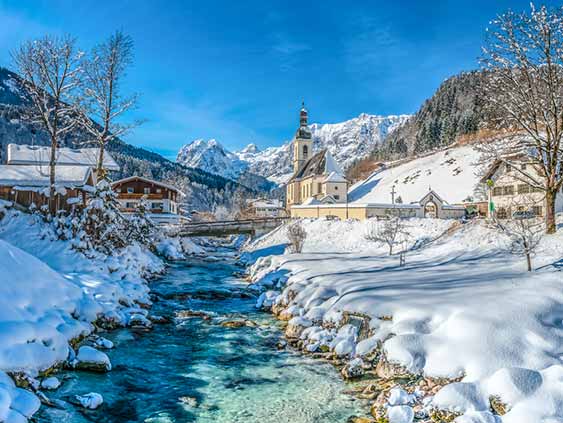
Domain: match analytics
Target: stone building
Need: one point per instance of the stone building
(317, 178)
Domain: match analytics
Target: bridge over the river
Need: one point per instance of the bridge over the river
(227, 227)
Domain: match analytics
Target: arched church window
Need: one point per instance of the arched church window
(305, 151)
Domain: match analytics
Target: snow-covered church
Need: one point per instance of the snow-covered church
(317, 178)
(319, 188)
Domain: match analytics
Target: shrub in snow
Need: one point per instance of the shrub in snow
(296, 235)
(140, 227)
(525, 235)
(391, 232)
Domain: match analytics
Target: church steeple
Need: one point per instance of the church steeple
(302, 143)
(303, 115)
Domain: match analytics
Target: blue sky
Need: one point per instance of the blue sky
(238, 70)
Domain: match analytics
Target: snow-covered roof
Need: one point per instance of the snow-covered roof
(331, 166)
(321, 163)
(150, 181)
(452, 172)
(335, 177)
(267, 204)
(38, 176)
(34, 154)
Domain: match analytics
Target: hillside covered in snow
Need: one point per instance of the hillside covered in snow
(461, 332)
(347, 141)
(452, 173)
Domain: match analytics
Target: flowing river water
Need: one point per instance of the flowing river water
(195, 370)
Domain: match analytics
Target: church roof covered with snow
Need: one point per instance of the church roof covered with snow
(38, 176)
(452, 172)
(34, 154)
(321, 163)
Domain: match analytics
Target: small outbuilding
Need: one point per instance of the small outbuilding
(29, 185)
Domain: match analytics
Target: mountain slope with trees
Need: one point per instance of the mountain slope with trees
(202, 190)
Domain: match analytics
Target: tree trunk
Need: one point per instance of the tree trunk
(100, 173)
(550, 226)
(52, 165)
(529, 262)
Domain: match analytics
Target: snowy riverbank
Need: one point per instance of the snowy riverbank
(473, 334)
(52, 294)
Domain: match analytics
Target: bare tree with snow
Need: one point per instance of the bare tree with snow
(296, 235)
(103, 102)
(51, 71)
(391, 232)
(524, 55)
(525, 232)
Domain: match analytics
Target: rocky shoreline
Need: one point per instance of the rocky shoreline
(395, 395)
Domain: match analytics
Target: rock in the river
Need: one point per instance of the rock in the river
(103, 343)
(159, 320)
(91, 359)
(190, 401)
(296, 326)
(139, 321)
(91, 400)
(354, 369)
(50, 383)
(188, 314)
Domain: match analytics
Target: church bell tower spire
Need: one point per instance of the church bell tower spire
(302, 142)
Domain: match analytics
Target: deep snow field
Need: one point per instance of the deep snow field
(51, 294)
(460, 307)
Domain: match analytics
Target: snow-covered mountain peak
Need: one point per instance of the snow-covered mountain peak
(347, 141)
(249, 149)
(212, 157)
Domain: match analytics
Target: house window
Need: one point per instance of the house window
(147, 190)
(508, 190)
(156, 206)
(130, 190)
(537, 210)
(497, 191)
(523, 166)
(336, 197)
(523, 189)
(158, 190)
(508, 168)
(320, 187)
(305, 151)
(129, 205)
(335, 188)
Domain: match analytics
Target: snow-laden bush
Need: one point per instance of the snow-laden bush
(139, 226)
(296, 235)
(102, 227)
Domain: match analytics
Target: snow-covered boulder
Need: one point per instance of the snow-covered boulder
(353, 369)
(91, 400)
(296, 326)
(460, 397)
(91, 359)
(50, 383)
(400, 414)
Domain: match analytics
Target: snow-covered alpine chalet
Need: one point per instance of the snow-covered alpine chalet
(162, 198)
